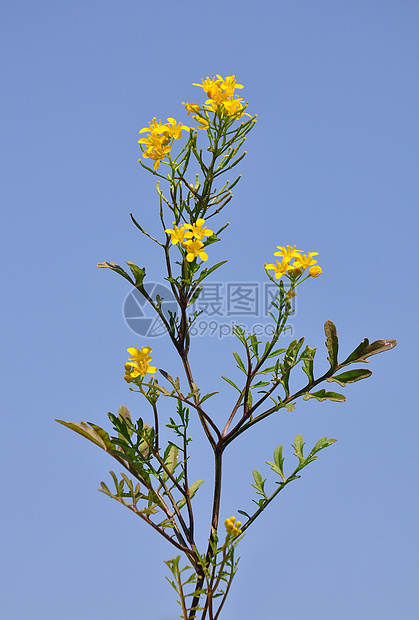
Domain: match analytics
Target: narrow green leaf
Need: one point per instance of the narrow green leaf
(331, 343)
(308, 360)
(254, 344)
(276, 353)
(242, 512)
(351, 376)
(102, 440)
(192, 490)
(323, 395)
(104, 489)
(207, 396)
(260, 384)
(231, 383)
(114, 267)
(240, 363)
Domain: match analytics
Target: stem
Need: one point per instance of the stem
(218, 455)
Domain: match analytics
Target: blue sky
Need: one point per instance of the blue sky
(330, 167)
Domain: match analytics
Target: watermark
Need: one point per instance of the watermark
(222, 306)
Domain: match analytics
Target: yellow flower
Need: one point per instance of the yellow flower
(202, 121)
(194, 250)
(305, 260)
(232, 526)
(221, 98)
(155, 128)
(191, 107)
(280, 268)
(138, 364)
(213, 89)
(174, 130)
(157, 148)
(197, 230)
(177, 234)
(234, 105)
(288, 253)
(315, 271)
(160, 139)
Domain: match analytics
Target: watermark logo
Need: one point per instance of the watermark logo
(221, 305)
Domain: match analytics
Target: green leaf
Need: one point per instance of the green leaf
(290, 407)
(275, 353)
(104, 489)
(323, 395)
(169, 378)
(260, 483)
(308, 358)
(118, 269)
(351, 376)
(231, 383)
(171, 461)
(96, 435)
(258, 478)
(298, 445)
(242, 512)
(240, 363)
(192, 490)
(137, 272)
(365, 349)
(260, 384)
(207, 396)
(254, 344)
(324, 442)
(331, 343)
(278, 465)
(125, 416)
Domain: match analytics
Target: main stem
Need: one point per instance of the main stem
(218, 462)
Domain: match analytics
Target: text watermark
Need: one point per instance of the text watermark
(222, 305)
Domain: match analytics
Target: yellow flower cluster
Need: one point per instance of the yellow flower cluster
(232, 526)
(221, 98)
(189, 237)
(138, 364)
(300, 264)
(159, 140)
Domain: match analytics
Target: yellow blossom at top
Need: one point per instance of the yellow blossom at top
(305, 260)
(212, 86)
(294, 263)
(213, 89)
(197, 230)
(232, 526)
(220, 92)
(229, 84)
(138, 364)
(288, 253)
